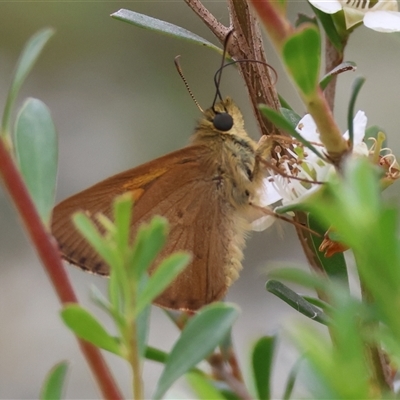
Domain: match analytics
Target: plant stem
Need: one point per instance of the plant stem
(48, 252)
(134, 361)
(332, 59)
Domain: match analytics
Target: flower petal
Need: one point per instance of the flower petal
(359, 126)
(387, 5)
(308, 129)
(327, 6)
(383, 21)
(268, 194)
(352, 16)
(262, 223)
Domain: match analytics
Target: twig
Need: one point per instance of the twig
(47, 250)
(220, 371)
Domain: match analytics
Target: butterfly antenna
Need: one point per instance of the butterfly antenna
(218, 74)
(180, 72)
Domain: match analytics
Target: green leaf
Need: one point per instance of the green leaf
(291, 380)
(162, 277)
(201, 335)
(284, 103)
(202, 387)
(356, 87)
(262, 359)
(89, 230)
(154, 24)
(334, 266)
(37, 154)
(86, 327)
(339, 69)
(296, 301)
(154, 354)
(122, 219)
(28, 57)
(296, 275)
(301, 55)
(290, 116)
(143, 326)
(330, 29)
(54, 383)
(282, 123)
(149, 241)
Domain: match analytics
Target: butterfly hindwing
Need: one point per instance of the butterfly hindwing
(200, 222)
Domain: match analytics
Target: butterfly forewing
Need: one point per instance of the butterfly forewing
(199, 222)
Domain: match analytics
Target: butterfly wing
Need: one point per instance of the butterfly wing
(180, 187)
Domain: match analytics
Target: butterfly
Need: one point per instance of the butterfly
(207, 191)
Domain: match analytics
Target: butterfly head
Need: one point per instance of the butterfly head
(224, 118)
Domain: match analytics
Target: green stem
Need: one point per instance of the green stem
(132, 341)
(48, 252)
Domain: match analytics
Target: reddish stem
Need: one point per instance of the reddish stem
(47, 250)
(270, 14)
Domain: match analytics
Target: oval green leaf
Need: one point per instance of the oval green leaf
(262, 358)
(154, 24)
(302, 56)
(199, 338)
(28, 57)
(37, 154)
(88, 328)
(54, 383)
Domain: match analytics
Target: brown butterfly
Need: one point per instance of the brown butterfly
(206, 190)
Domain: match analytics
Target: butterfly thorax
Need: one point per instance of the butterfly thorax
(233, 156)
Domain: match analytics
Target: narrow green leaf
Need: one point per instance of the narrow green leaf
(149, 241)
(330, 29)
(339, 69)
(202, 334)
(282, 123)
(162, 277)
(318, 303)
(53, 385)
(296, 301)
(356, 87)
(28, 57)
(89, 230)
(37, 154)
(86, 326)
(154, 354)
(122, 219)
(296, 275)
(154, 24)
(284, 103)
(143, 327)
(262, 359)
(202, 387)
(100, 300)
(302, 56)
(290, 116)
(335, 266)
(291, 380)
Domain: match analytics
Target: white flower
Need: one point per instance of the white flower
(381, 15)
(307, 166)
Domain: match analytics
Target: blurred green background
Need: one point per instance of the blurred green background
(117, 101)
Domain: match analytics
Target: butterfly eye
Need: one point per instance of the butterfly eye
(223, 121)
